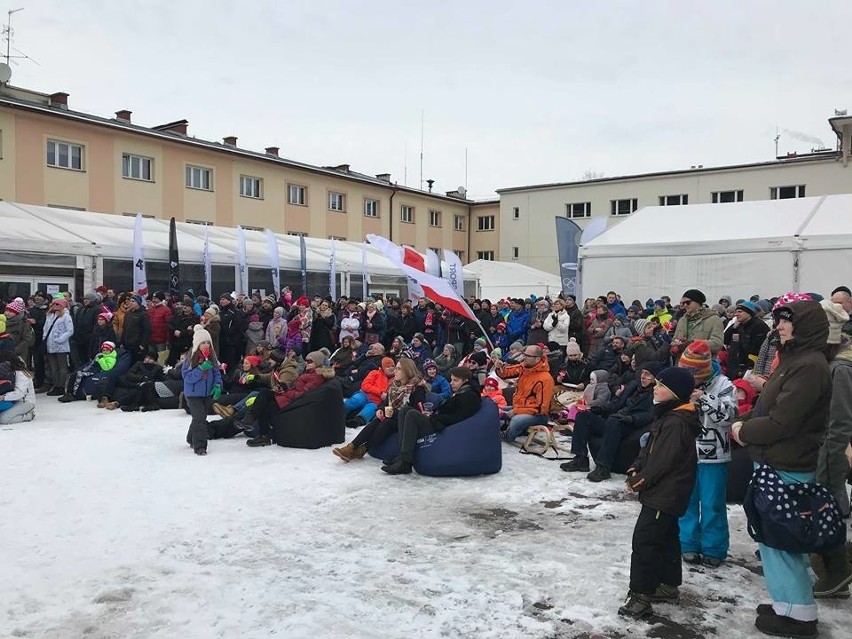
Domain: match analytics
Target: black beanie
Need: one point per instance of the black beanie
(678, 380)
(695, 295)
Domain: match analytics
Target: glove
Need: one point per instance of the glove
(217, 391)
(250, 377)
(206, 365)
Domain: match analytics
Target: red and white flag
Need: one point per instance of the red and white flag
(436, 289)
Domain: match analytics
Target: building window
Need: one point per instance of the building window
(722, 197)
(198, 177)
(515, 252)
(297, 194)
(251, 187)
(516, 213)
(458, 222)
(371, 208)
(578, 209)
(339, 238)
(674, 200)
(485, 255)
(460, 255)
(786, 192)
(336, 202)
(297, 233)
(200, 222)
(623, 207)
(64, 155)
(136, 167)
(435, 218)
(406, 213)
(485, 223)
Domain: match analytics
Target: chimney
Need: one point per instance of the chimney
(272, 150)
(178, 126)
(59, 99)
(344, 168)
(230, 140)
(123, 115)
(384, 177)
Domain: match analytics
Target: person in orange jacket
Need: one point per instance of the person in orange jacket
(531, 402)
(373, 391)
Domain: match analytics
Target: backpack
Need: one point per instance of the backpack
(7, 378)
(799, 518)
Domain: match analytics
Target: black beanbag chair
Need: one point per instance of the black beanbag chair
(628, 450)
(314, 420)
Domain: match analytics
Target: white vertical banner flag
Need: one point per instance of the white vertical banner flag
(274, 262)
(208, 267)
(332, 272)
(433, 263)
(241, 260)
(140, 280)
(454, 274)
(363, 271)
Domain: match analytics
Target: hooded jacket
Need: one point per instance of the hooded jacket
(374, 384)
(106, 360)
(664, 472)
(160, 315)
(534, 391)
(558, 327)
(304, 383)
(717, 408)
(517, 325)
(786, 427)
(20, 330)
(705, 324)
(832, 467)
(743, 343)
(58, 330)
(461, 405)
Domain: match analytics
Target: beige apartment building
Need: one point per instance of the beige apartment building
(527, 213)
(55, 156)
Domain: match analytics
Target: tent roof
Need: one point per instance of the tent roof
(42, 229)
(511, 278)
(702, 229)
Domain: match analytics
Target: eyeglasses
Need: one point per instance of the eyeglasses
(528, 355)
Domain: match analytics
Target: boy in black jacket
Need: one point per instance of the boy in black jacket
(463, 403)
(663, 475)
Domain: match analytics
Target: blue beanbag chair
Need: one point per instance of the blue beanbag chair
(471, 447)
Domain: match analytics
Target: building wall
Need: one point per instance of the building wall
(533, 232)
(482, 241)
(100, 186)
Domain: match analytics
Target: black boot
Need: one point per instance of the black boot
(399, 467)
(833, 581)
(355, 422)
(781, 626)
(260, 440)
(600, 473)
(67, 397)
(577, 465)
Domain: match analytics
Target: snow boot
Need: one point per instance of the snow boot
(711, 562)
(149, 408)
(349, 452)
(66, 398)
(833, 582)
(637, 606)
(130, 408)
(691, 557)
(579, 464)
(600, 473)
(201, 451)
(56, 391)
(781, 626)
(260, 440)
(765, 609)
(665, 594)
(399, 467)
(355, 422)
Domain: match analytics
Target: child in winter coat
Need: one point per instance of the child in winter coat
(18, 403)
(293, 339)
(597, 393)
(201, 382)
(438, 383)
(277, 326)
(745, 395)
(500, 339)
(104, 361)
(663, 476)
(102, 332)
(704, 536)
(491, 390)
(254, 334)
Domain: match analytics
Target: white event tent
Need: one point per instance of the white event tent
(510, 279)
(92, 238)
(737, 249)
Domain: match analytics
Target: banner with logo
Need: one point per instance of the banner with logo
(208, 267)
(303, 264)
(241, 261)
(332, 271)
(568, 247)
(140, 279)
(454, 274)
(174, 263)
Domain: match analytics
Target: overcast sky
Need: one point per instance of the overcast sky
(536, 91)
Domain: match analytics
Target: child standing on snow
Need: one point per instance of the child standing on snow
(663, 476)
(704, 536)
(201, 382)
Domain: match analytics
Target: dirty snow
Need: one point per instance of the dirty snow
(111, 527)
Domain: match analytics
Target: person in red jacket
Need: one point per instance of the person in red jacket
(269, 401)
(160, 315)
(373, 391)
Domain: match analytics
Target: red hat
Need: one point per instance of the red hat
(491, 382)
(501, 326)
(102, 289)
(108, 347)
(16, 307)
(303, 301)
(105, 316)
(253, 360)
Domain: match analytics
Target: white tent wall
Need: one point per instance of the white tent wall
(94, 237)
(500, 279)
(737, 249)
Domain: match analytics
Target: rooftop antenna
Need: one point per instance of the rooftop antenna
(7, 33)
(777, 137)
(421, 149)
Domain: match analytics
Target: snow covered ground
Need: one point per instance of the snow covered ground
(111, 527)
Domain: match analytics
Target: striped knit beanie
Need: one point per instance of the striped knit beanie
(698, 359)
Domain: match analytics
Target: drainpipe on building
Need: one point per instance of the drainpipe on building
(390, 220)
(469, 218)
